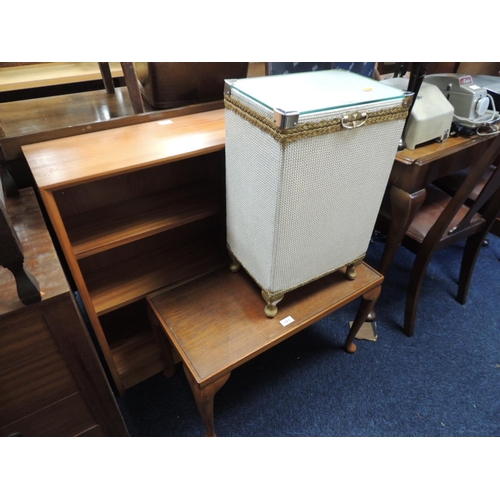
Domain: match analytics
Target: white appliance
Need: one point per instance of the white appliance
(469, 100)
(431, 115)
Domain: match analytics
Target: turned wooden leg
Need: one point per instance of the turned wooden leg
(367, 304)
(107, 78)
(28, 289)
(165, 349)
(272, 300)
(133, 88)
(204, 398)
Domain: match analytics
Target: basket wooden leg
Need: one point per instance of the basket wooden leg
(204, 398)
(235, 266)
(351, 271)
(272, 300)
(351, 268)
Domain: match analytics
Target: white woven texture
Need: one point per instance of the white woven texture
(300, 211)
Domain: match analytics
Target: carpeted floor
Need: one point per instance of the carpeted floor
(444, 381)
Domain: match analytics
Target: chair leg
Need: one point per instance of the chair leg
(471, 252)
(414, 289)
(469, 258)
(404, 206)
(133, 87)
(107, 78)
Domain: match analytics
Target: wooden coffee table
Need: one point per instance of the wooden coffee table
(216, 323)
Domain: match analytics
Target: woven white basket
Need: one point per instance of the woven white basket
(299, 210)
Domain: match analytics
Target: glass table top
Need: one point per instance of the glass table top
(315, 91)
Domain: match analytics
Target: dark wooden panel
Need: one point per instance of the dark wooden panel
(68, 417)
(34, 385)
(92, 432)
(23, 336)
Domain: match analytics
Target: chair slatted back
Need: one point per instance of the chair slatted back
(463, 194)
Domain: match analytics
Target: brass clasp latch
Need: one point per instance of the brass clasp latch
(354, 120)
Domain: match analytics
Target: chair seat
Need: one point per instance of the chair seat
(435, 202)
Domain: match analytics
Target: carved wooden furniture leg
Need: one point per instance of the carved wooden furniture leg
(404, 206)
(471, 252)
(12, 258)
(7, 181)
(165, 349)
(26, 285)
(417, 276)
(133, 87)
(204, 398)
(272, 299)
(367, 304)
(107, 78)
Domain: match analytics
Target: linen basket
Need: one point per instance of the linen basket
(308, 156)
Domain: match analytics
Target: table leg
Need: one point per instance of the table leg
(165, 349)
(404, 206)
(367, 304)
(204, 398)
(9, 184)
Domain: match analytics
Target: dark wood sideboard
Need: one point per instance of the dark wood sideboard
(51, 380)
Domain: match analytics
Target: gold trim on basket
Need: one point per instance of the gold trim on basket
(304, 130)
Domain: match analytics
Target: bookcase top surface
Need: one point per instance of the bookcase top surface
(83, 158)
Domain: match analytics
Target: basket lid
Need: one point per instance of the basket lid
(314, 91)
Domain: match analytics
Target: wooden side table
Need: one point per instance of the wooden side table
(215, 323)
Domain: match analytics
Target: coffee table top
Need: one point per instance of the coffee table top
(217, 322)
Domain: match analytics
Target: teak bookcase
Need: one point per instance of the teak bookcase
(135, 209)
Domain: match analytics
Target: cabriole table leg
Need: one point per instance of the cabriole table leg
(367, 304)
(204, 398)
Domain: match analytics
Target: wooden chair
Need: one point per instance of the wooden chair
(451, 183)
(443, 220)
(131, 82)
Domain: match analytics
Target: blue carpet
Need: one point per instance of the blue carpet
(443, 381)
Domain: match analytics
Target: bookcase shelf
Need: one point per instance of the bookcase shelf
(124, 282)
(100, 230)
